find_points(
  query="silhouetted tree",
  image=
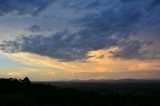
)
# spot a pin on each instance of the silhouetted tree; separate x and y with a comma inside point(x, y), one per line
point(21, 92)
point(26, 80)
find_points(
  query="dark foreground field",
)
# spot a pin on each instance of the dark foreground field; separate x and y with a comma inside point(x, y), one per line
point(15, 92)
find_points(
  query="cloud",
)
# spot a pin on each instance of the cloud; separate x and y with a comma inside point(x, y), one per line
point(17, 74)
point(111, 26)
point(62, 45)
point(21, 7)
point(36, 28)
point(153, 74)
point(81, 5)
point(94, 67)
point(131, 50)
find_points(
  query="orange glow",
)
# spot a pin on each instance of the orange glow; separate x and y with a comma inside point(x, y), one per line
point(100, 61)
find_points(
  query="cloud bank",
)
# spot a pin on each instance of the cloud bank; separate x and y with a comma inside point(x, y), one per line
point(22, 7)
point(110, 26)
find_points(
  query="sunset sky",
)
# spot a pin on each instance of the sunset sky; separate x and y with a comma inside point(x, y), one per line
point(80, 39)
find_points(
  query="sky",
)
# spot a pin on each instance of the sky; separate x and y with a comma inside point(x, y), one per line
point(80, 39)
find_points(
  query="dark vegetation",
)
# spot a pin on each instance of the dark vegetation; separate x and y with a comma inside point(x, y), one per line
point(14, 92)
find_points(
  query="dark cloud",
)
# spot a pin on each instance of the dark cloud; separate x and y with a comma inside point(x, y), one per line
point(109, 27)
point(22, 7)
point(62, 45)
point(81, 5)
point(36, 28)
point(130, 50)
point(134, 49)
point(155, 3)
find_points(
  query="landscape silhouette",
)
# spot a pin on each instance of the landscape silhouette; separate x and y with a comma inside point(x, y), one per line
point(23, 92)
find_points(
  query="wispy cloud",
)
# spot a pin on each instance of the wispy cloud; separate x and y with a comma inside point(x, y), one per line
point(21, 7)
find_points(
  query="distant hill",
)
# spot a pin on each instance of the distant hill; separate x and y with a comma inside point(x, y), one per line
point(23, 92)
point(123, 84)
